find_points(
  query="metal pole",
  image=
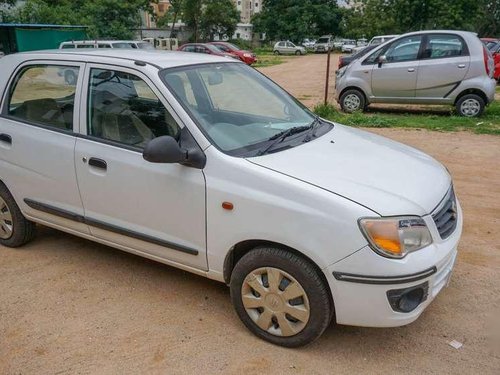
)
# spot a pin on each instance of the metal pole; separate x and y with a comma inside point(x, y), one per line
point(327, 81)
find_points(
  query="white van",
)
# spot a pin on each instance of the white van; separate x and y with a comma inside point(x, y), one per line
point(135, 44)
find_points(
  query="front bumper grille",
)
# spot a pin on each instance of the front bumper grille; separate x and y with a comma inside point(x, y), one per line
point(446, 215)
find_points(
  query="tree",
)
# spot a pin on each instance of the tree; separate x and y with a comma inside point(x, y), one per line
point(219, 17)
point(105, 18)
point(375, 17)
point(174, 11)
point(192, 11)
point(297, 19)
point(114, 18)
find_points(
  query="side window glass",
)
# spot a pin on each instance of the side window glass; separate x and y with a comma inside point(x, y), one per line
point(440, 46)
point(281, 44)
point(124, 109)
point(67, 46)
point(44, 94)
point(405, 49)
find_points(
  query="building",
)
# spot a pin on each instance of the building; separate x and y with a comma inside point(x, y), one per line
point(247, 9)
point(159, 9)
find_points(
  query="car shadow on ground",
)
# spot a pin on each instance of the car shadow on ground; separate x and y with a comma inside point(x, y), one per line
point(444, 111)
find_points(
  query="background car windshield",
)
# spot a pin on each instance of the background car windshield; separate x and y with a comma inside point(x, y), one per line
point(122, 45)
point(323, 40)
point(238, 108)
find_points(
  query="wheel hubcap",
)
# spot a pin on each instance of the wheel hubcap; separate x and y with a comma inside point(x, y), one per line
point(275, 301)
point(470, 107)
point(6, 223)
point(352, 102)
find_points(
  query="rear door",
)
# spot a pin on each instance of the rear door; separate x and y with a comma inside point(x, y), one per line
point(38, 129)
point(444, 64)
point(397, 77)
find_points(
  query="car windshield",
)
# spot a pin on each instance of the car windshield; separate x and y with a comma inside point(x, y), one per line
point(232, 46)
point(213, 48)
point(323, 40)
point(145, 45)
point(237, 108)
point(122, 45)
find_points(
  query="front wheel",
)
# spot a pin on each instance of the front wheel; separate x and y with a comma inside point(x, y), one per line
point(470, 105)
point(298, 53)
point(276, 52)
point(280, 297)
point(352, 101)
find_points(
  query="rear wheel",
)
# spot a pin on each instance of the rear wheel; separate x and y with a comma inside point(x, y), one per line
point(470, 105)
point(280, 297)
point(352, 101)
point(15, 229)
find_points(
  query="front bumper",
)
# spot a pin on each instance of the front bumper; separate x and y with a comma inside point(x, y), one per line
point(362, 283)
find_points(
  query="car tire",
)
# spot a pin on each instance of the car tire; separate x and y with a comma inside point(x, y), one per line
point(470, 105)
point(277, 52)
point(70, 77)
point(352, 100)
point(15, 229)
point(263, 305)
point(298, 53)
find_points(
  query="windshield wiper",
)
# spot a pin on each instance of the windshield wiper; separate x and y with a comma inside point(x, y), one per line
point(281, 136)
point(314, 125)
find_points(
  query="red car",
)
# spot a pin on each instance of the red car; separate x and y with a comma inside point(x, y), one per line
point(247, 57)
point(495, 51)
point(204, 48)
point(489, 42)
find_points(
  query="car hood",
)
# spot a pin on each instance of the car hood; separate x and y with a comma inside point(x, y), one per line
point(385, 176)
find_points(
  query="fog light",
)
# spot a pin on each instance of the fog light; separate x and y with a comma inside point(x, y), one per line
point(407, 299)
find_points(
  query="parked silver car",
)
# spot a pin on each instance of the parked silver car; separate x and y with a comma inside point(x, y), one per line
point(288, 48)
point(425, 67)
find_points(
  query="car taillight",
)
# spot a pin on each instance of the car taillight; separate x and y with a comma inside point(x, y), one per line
point(486, 57)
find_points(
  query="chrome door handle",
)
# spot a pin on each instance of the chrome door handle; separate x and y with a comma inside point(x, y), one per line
point(411, 70)
point(6, 138)
point(461, 66)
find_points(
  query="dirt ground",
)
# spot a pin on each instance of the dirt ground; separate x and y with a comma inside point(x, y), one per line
point(71, 306)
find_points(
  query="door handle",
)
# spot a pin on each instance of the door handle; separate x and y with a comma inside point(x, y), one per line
point(461, 66)
point(411, 70)
point(6, 138)
point(98, 163)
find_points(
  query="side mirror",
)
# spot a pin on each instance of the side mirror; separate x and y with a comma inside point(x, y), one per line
point(215, 79)
point(164, 149)
point(382, 60)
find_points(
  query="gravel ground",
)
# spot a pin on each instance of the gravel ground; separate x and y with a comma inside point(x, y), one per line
point(71, 306)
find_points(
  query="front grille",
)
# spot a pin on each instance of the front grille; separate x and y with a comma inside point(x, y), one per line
point(446, 216)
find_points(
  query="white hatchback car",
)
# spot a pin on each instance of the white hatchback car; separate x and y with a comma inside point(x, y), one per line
point(205, 164)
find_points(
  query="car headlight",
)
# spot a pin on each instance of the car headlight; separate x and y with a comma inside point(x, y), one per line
point(395, 237)
point(247, 55)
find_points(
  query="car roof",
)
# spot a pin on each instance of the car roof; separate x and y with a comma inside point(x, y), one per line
point(101, 41)
point(160, 59)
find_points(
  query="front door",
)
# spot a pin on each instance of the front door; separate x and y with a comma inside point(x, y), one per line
point(444, 64)
point(157, 210)
point(396, 77)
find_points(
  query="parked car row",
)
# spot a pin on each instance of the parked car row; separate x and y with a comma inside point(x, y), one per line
point(494, 47)
point(427, 67)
